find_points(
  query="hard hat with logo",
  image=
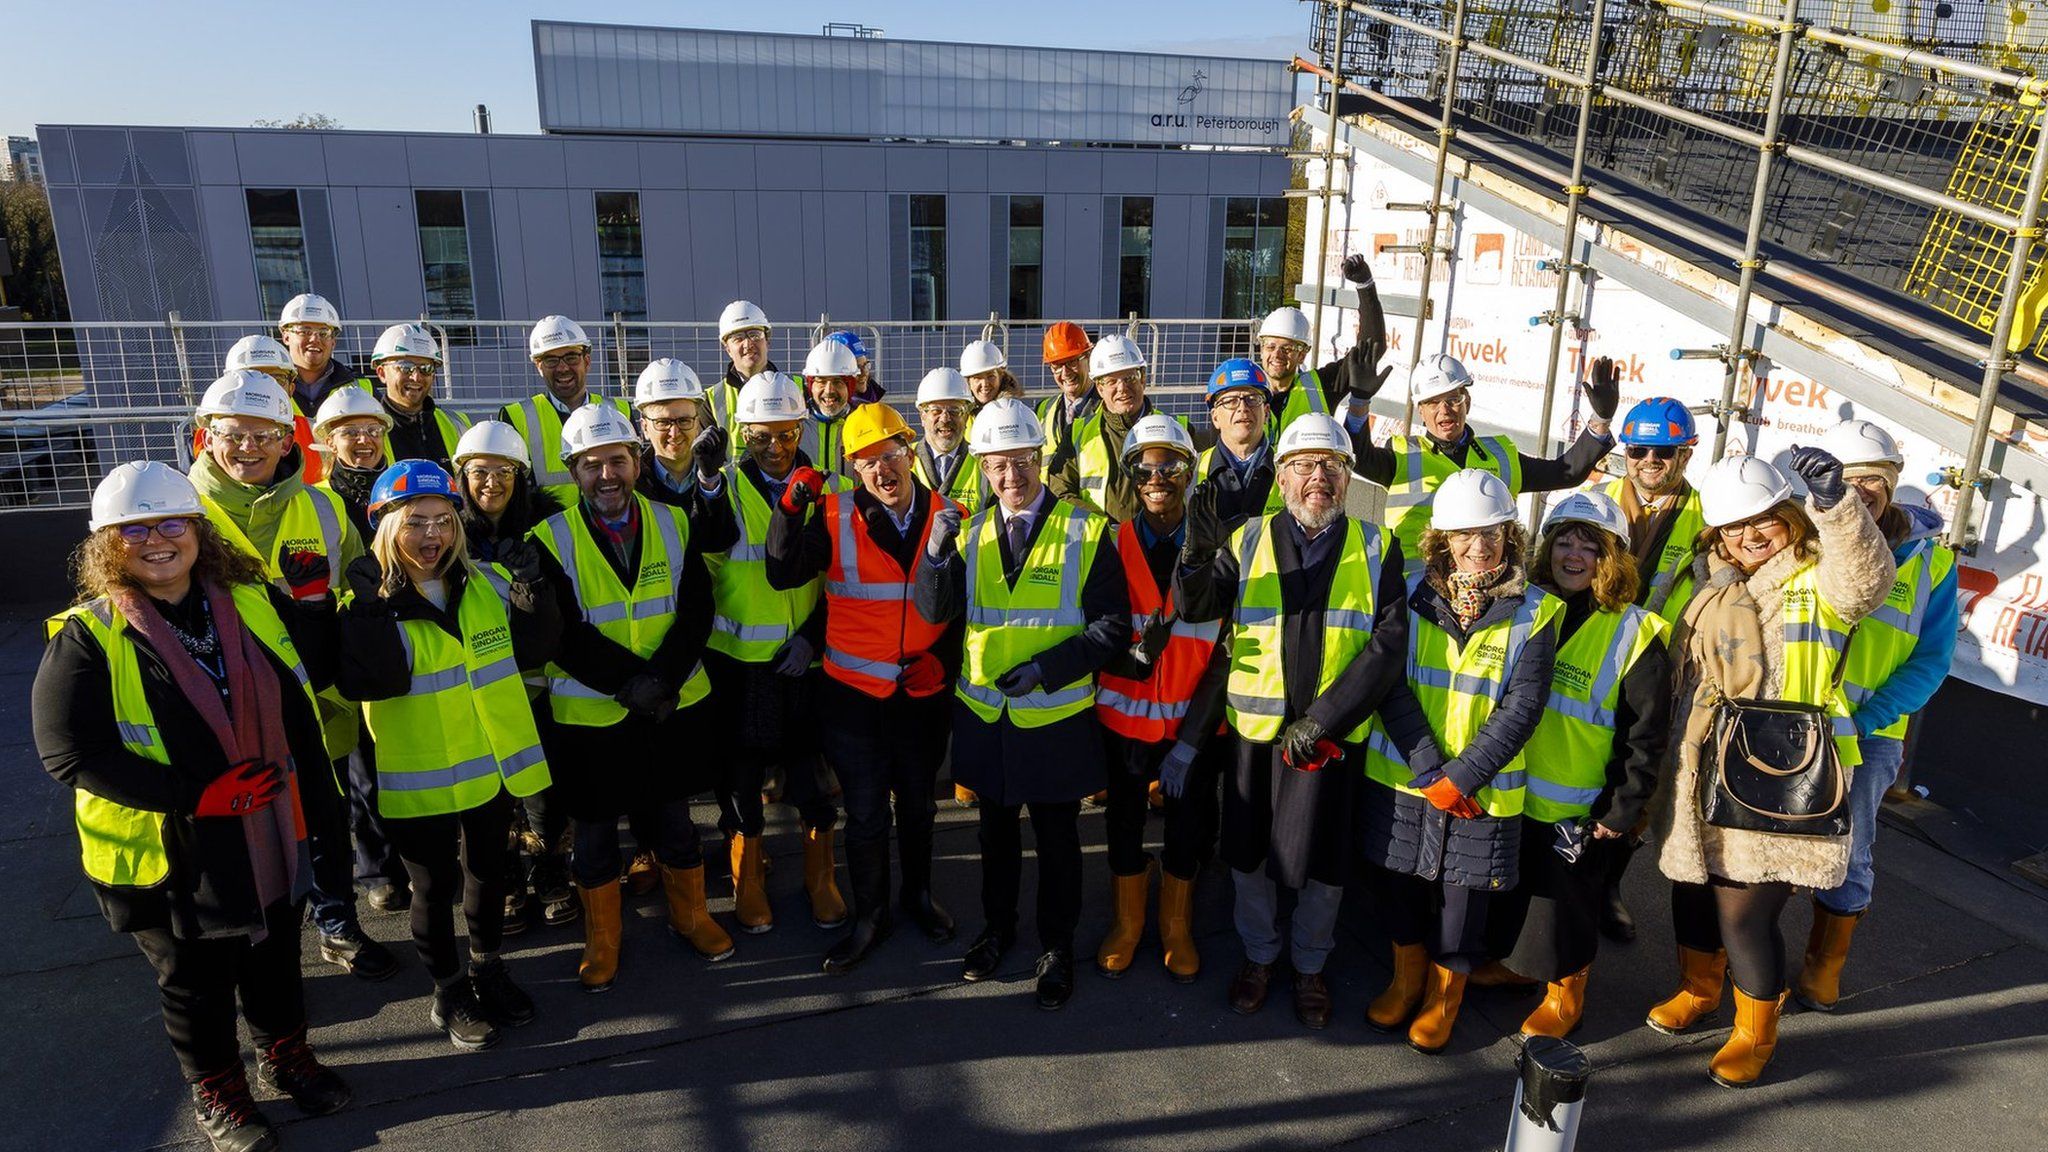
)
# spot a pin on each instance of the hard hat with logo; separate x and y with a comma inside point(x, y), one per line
point(306, 308)
point(1157, 430)
point(1288, 323)
point(1240, 373)
point(409, 480)
point(492, 438)
point(667, 379)
point(143, 490)
point(260, 353)
point(870, 424)
point(406, 340)
point(770, 397)
point(1314, 432)
point(1470, 498)
point(831, 358)
point(1436, 376)
point(982, 356)
point(553, 334)
point(595, 426)
point(1861, 442)
point(245, 392)
point(346, 403)
point(1740, 487)
point(1064, 341)
point(852, 340)
point(741, 315)
point(1115, 352)
point(1004, 425)
point(1590, 507)
point(1658, 422)
point(943, 384)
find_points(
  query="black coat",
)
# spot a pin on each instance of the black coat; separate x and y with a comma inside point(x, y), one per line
point(528, 507)
point(1239, 498)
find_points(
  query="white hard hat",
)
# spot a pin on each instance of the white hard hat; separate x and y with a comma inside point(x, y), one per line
point(143, 490)
point(739, 316)
point(1470, 498)
point(491, 438)
point(982, 356)
point(769, 397)
point(260, 353)
point(347, 403)
point(1158, 431)
point(553, 334)
point(831, 358)
point(1005, 424)
point(406, 340)
point(245, 392)
point(1861, 442)
point(1590, 507)
point(306, 308)
point(1288, 323)
point(1437, 376)
point(943, 384)
point(1114, 353)
point(594, 426)
point(1314, 432)
point(667, 379)
point(1740, 487)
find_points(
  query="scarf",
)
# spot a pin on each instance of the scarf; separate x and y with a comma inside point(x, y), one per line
point(1719, 643)
point(1471, 592)
point(251, 727)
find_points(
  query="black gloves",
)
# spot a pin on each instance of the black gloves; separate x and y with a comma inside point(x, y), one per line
point(306, 574)
point(709, 449)
point(1206, 534)
point(1603, 388)
point(648, 695)
point(1152, 638)
point(521, 559)
point(366, 581)
point(945, 531)
point(1357, 268)
point(1823, 476)
point(1299, 741)
point(1372, 331)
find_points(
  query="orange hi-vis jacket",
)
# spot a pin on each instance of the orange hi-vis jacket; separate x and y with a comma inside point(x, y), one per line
point(1152, 709)
point(871, 626)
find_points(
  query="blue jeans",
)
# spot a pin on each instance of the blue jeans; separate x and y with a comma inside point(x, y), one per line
point(1257, 914)
point(1867, 784)
point(332, 902)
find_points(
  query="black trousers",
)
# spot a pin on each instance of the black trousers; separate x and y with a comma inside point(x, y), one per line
point(673, 839)
point(1448, 920)
point(740, 807)
point(198, 981)
point(1133, 765)
point(333, 902)
point(376, 859)
point(1548, 926)
point(882, 749)
point(1055, 828)
point(461, 854)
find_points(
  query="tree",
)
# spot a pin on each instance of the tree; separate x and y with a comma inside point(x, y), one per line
point(37, 285)
point(304, 121)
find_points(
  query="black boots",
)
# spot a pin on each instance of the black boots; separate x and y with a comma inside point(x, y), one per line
point(288, 1066)
point(914, 848)
point(868, 863)
point(460, 1014)
point(224, 1110)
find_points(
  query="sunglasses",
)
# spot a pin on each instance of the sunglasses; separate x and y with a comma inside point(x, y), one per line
point(169, 529)
point(1762, 525)
point(1149, 472)
point(1651, 452)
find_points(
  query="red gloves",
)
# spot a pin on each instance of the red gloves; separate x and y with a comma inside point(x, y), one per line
point(305, 573)
point(805, 486)
point(241, 790)
point(1447, 798)
point(1327, 751)
point(923, 676)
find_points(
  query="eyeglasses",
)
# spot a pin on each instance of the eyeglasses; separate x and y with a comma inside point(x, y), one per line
point(885, 456)
point(1239, 402)
point(481, 476)
point(421, 371)
point(663, 425)
point(1763, 525)
point(358, 432)
point(169, 529)
point(1456, 400)
point(784, 438)
point(311, 333)
point(1650, 451)
point(1310, 466)
point(1070, 367)
point(1009, 466)
point(749, 336)
point(268, 439)
point(1145, 473)
point(564, 359)
point(438, 524)
point(1282, 349)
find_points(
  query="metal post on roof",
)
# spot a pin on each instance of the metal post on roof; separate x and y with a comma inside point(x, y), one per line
point(175, 323)
point(619, 354)
point(1453, 52)
point(1331, 92)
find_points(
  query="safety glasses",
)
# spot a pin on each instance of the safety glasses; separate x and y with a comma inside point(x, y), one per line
point(1147, 473)
point(1651, 451)
point(169, 529)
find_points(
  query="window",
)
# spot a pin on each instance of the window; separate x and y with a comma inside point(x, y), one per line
point(927, 257)
point(279, 241)
point(1254, 247)
point(1027, 256)
point(621, 261)
point(1134, 257)
point(444, 256)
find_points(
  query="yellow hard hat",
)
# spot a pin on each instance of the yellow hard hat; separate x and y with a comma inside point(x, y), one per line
point(870, 424)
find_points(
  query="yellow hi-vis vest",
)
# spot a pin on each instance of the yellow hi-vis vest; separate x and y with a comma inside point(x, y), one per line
point(1096, 457)
point(1670, 589)
point(636, 618)
point(1275, 499)
point(1568, 755)
point(539, 423)
point(751, 620)
point(1458, 689)
point(966, 487)
point(1303, 396)
point(1884, 640)
point(1256, 696)
point(1815, 639)
point(463, 729)
point(1420, 468)
point(123, 847)
point(1007, 627)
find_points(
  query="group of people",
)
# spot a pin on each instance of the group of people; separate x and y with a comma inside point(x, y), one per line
point(366, 649)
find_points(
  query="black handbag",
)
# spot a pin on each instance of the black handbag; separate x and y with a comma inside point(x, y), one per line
point(1771, 766)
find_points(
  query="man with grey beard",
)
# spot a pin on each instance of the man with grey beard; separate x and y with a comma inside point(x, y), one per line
point(1319, 632)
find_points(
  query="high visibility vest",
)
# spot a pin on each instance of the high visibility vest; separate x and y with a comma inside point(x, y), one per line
point(1305, 395)
point(1152, 709)
point(871, 625)
point(1815, 639)
point(1206, 461)
point(1052, 416)
point(1419, 469)
point(751, 620)
point(1257, 691)
point(1885, 639)
point(1007, 627)
point(824, 441)
point(637, 619)
point(1670, 589)
point(966, 488)
point(539, 423)
point(463, 729)
point(123, 847)
point(1458, 689)
point(1097, 458)
point(1574, 741)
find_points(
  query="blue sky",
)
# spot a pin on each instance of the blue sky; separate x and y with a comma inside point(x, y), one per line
point(422, 65)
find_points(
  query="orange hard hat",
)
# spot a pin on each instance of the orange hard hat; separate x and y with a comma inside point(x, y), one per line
point(1064, 341)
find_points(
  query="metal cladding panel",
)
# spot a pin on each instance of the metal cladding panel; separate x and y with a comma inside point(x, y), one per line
point(56, 145)
point(228, 251)
point(213, 155)
point(282, 159)
point(599, 78)
point(364, 158)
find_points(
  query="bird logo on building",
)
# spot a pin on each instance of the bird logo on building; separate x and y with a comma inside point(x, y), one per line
point(1194, 88)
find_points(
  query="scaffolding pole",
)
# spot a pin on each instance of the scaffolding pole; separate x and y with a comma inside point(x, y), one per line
point(1335, 86)
point(1455, 43)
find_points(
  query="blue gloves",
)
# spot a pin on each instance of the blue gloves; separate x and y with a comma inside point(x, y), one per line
point(793, 659)
point(1021, 680)
point(1173, 771)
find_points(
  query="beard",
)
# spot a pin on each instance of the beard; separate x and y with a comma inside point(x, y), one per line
point(1315, 521)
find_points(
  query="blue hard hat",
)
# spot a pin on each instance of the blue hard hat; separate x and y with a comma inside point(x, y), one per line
point(408, 480)
point(1238, 373)
point(852, 340)
point(1659, 421)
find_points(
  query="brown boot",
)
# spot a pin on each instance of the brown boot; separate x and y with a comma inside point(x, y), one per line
point(749, 884)
point(828, 909)
point(600, 964)
point(1392, 1008)
point(1127, 923)
point(1494, 974)
point(1741, 1060)
point(1176, 898)
point(1445, 991)
point(1564, 1004)
point(1699, 992)
point(689, 917)
point(964, 797)
point(1827, 946)
point(642, 874)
